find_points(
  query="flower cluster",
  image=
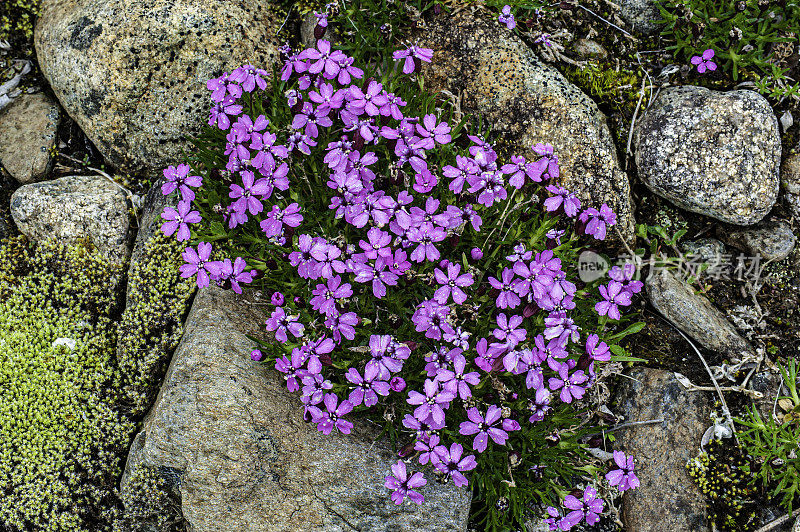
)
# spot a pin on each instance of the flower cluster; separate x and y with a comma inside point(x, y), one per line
point(360, 214)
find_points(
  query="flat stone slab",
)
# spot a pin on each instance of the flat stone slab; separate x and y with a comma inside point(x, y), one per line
point(246, 459)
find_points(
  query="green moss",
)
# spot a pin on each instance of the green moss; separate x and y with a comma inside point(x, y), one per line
point(17, 19)
point(61, 435)
point(151, 503)
point(721, 474)
point(151, 324)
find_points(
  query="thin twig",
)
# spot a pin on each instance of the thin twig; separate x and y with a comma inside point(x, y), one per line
point(607, 22)
point(633, 122)
point(101, 173)
point(725, 410)
point(502, 217)
point(625, 426)
point(779, 521)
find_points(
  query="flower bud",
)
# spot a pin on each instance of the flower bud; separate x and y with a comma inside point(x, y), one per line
point(476, 253)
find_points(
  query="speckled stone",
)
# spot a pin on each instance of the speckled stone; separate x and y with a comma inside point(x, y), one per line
point(705, 250)
point(526, 102)
point(243, 455)
point(640, 15)
point(695, 315)
point(28, 130)
point(790, 181)
point(75, 208)
point(132, 73)
point(772, 239)
point(713, 153)
point(667, 500)
point(588, 48)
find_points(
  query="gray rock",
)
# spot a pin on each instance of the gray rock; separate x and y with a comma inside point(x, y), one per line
point(640, 15)
point(246, 459)
point(526, 102)
point(76, 208)
point(589, 48)
point(713, 153)
point(790, 180)
point(695, 315)
point(133, 73)
point(28, 130)
point(667, 500)
point(772, 239)
point(706, 250)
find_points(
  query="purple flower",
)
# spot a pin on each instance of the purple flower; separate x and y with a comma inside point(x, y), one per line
point(570, 385)
point(613, 296)
point(562, 198)
point(323, 59)
point(326, 421)
point(540, 405)
point(325, 296)
point(507, 297)
point(429, 131)
point(484, 427)
point(452, 284)
point(465, 168)
point(486, 355)
point(397, 384)
point(476, 253)
point(546, 167)
point(277, 299)
point(343, 326)
point(277, 218)
point(430, 404)
point(281, 324)
point(368, 102)
point(508, 332)
point(367, 387)
point(596, 349)
point(179, 178)
point(327, 98)
point(456, 380)
point(589, 507)
point(233, 273)
point(382, 360)
point(314, 388)
point(452, 463)
point(222, 111)
point(623, 478)
point(377, 245)
point(178, 220)
point(249, 76)
point(431, 318)
point(291, 368)
point(255, 355)
point(392, 106)
point(347, 70)
point(197, 263)
point(508, 19)
point(704, 62)
point(402, 484)
point(412, 55)
point(544, 38)
point(311, 117)
point(596, 221)
point(245, 195)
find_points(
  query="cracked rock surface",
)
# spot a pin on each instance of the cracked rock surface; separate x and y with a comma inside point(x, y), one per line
point(244, 458)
